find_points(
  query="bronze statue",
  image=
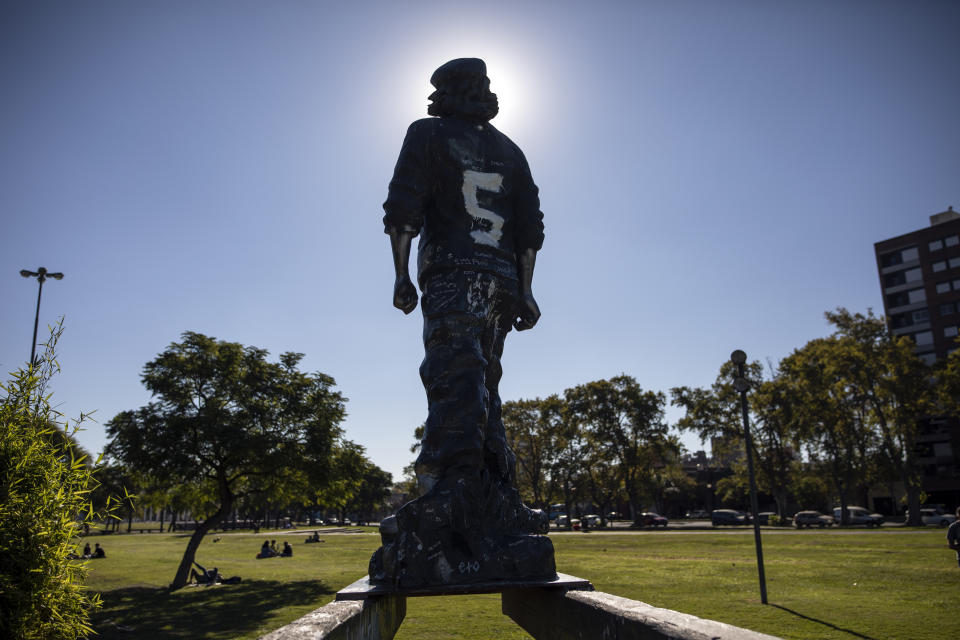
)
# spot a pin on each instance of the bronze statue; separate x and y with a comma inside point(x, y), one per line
point(466, 189)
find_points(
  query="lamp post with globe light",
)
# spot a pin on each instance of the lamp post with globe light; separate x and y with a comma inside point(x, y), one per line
point(742, 385)
point(41, 274)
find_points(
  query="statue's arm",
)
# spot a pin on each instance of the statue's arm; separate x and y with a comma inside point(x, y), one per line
point(404, 293)
point(528, 313)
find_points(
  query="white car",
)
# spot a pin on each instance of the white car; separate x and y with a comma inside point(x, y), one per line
point(859, 515)
point(934, 516)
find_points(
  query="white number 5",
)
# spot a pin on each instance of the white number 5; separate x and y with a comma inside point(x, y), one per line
point(473, 181)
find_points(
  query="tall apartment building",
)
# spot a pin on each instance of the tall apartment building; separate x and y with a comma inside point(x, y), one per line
point(920, 279)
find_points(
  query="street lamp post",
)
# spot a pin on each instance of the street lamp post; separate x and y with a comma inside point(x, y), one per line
point(741, 384)
point(41, 275)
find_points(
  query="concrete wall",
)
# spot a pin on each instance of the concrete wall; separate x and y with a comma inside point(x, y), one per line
point(371, 619)
point(546, 614)
point(582, 615)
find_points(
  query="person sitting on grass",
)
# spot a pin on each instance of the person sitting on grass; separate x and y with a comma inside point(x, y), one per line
point(314, 538)
point(265, 551)
point(98, 551)
point(86, 550)
point(287, 550)
point(273, 548)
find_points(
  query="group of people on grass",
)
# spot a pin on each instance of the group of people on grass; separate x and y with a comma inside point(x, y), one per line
point(269, 550)
point(314, 538)
point(97, 553)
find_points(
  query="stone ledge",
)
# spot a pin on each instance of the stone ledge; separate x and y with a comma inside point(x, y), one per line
point(581, 615)
point(371, 619)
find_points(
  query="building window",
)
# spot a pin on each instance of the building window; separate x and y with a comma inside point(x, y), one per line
point(901, 320)
point(921, 315)
point(936, 245)
point(956, 285)
point(943, 287)
point(914, 275)
point(954, 262)
point(923, 338)
point(947, 308)
point(928, 358)
point(897, 300)
point(895, 279)
point(949, 332)
point(908, 255)
point(917, 295)
point(951, 241)
point(890, 259)
point(939, 266)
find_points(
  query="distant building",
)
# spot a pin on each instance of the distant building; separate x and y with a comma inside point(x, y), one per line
point(920, 280)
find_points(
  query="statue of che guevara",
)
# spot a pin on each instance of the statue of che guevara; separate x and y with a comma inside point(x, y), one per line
point(466, 189)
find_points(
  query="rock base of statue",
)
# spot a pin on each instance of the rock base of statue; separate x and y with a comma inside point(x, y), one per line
point(463, 533)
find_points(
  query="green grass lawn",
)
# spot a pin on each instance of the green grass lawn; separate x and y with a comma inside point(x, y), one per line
point(902, 584)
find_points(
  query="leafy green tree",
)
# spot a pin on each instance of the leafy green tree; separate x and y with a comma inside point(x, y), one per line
point(568, 467)
point(882, 372)
point(224, 417)
point(535, 432)
point(831, 418)
point(716, 413)
point(348, 469)
point(628, 424)
point(372, 492)
point(45, 485)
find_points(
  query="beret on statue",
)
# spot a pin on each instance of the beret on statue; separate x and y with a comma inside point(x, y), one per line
point(458, 67)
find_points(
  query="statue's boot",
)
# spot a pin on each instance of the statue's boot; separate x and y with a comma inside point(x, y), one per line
point(460, 534)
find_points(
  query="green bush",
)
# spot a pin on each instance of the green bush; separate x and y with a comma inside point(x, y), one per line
point(45, 482)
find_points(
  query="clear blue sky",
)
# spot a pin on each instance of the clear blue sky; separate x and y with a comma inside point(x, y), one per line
point(713, 176)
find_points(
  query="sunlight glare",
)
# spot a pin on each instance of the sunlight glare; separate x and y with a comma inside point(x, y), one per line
point(512, 77)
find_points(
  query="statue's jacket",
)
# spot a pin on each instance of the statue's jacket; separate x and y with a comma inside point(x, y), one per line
point(466, 189)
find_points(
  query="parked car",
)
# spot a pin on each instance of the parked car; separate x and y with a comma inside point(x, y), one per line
point(728, 516)
point(613, 515)
point(592, 520)
point(803, 519)
point(562, 520)
point(859, 515)
point(698, 514)
point(934, 516)
point(651, 519)
point(764, 517)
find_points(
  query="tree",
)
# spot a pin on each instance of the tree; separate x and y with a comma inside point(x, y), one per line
point(534, 430)
point(45, 485)
point(883, 373)
point(830, 416)
point(716, 413)
point(225, 417)
point(372, 493)
point(628, 424)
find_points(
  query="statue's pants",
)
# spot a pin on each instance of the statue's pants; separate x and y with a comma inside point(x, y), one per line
point(467, 315)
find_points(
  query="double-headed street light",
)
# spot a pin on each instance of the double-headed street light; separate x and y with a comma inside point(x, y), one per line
point(41, 275)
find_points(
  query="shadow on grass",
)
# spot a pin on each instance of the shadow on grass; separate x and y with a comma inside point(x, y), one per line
point(224, 611)
point(826, 624)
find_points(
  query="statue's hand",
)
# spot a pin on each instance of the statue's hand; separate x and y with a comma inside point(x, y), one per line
point(404, 294)
point(528, 313)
